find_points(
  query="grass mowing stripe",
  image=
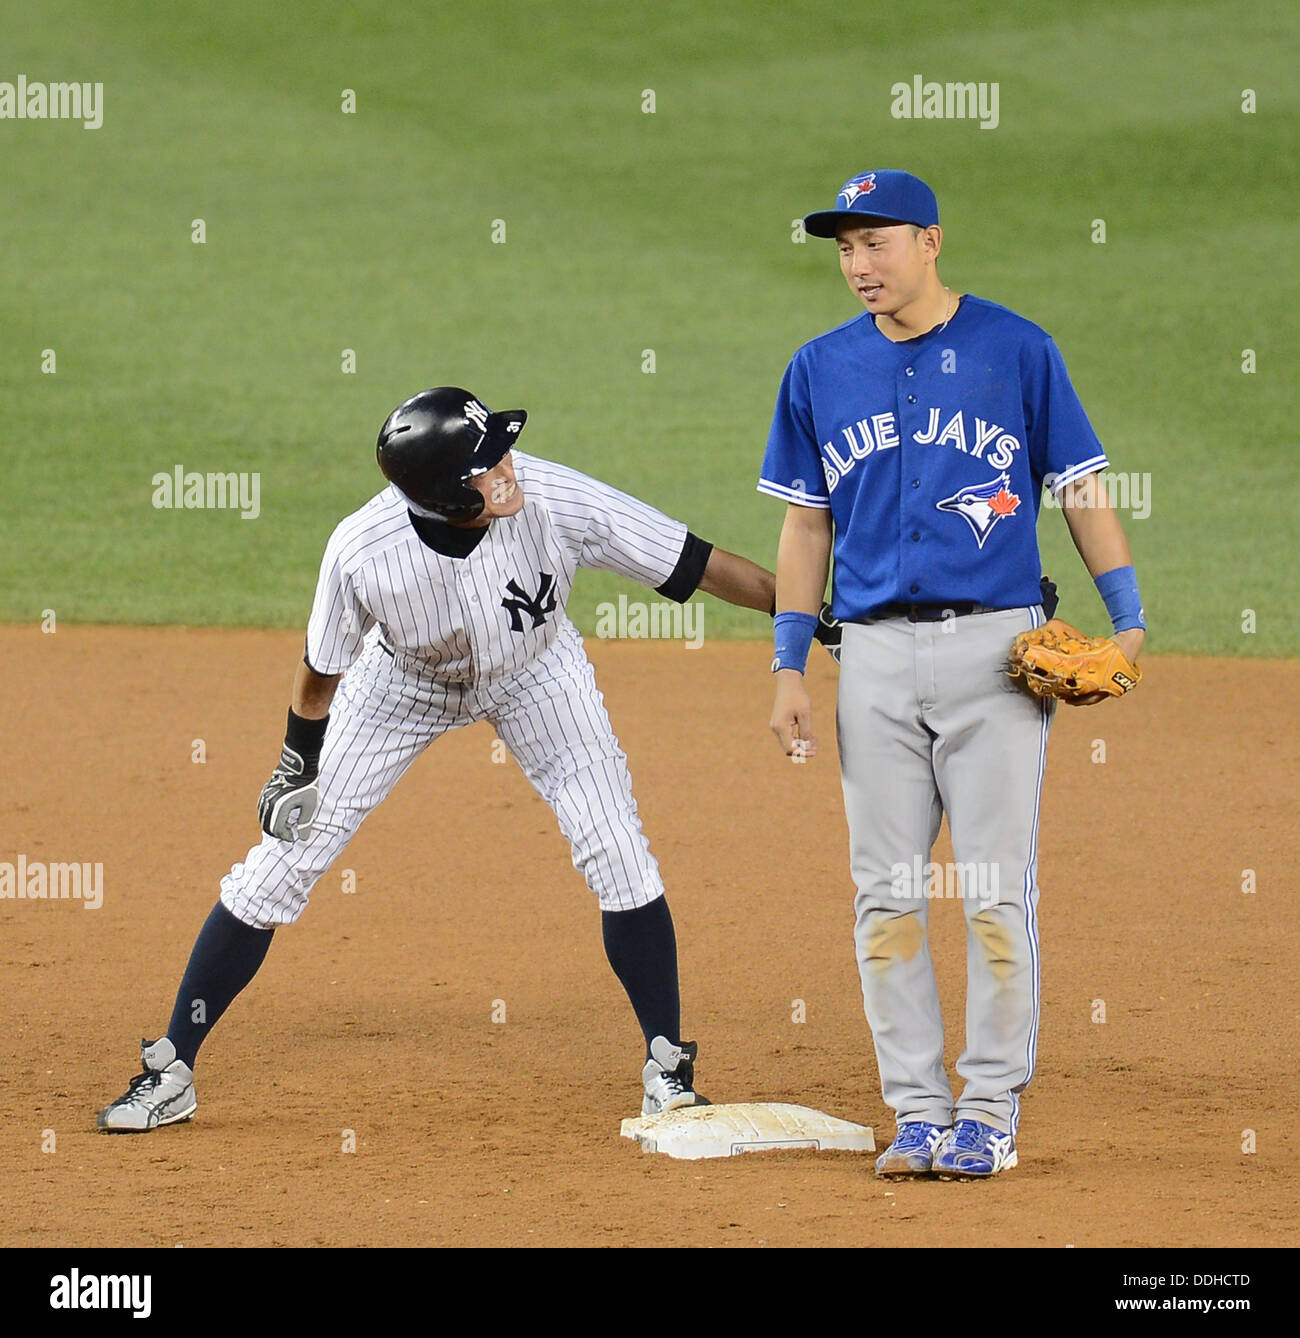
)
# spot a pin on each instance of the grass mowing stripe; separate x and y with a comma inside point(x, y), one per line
point(626, 232)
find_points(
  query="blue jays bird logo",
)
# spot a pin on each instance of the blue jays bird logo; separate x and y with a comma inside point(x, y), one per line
point(862, 185)
point(983, 505)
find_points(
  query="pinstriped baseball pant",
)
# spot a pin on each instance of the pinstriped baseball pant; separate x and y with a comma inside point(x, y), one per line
point(551, 717)
point(928, 724)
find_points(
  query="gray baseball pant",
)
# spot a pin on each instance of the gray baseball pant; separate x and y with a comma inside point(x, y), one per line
point(929, 724)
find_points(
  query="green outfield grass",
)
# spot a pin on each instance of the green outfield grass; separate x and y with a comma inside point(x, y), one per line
point(624, 232)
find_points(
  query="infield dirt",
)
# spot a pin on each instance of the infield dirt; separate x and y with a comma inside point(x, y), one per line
point(374, 1014)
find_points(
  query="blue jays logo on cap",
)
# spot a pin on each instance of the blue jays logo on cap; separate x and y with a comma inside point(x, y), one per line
point(983, 505)
point(859, 185)
point(896, 197)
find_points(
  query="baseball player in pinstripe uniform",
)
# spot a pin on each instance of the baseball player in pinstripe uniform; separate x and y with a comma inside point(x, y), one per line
point(913, 442)
point(443, 601)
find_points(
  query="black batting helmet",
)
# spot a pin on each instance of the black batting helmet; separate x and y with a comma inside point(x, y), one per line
point(431, 445)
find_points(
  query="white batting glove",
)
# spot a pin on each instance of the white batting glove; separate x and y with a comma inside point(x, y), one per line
point(289, 800)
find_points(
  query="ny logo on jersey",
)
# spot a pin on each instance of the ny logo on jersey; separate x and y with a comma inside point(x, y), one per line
point(538, 605)
point(983, 506)
point(862, 185)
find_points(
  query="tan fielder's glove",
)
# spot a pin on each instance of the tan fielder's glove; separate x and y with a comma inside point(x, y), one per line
point(1057, 660)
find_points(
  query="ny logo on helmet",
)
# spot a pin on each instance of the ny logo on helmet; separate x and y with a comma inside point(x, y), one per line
point(476, 414)
point(538, 605)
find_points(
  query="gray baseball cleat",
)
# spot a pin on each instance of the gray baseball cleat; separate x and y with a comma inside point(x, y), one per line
point(668, 1077)
point(162, 1094)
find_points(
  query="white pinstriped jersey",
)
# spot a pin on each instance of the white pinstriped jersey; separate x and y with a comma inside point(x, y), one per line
point(488, 614)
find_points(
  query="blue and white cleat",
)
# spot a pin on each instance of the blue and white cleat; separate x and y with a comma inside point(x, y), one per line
point(912, 1151)
point(975, 1151)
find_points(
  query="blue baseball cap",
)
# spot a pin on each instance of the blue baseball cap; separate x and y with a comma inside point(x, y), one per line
point(898, 197)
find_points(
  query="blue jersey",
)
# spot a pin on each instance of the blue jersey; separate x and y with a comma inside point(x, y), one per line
point(931, 455)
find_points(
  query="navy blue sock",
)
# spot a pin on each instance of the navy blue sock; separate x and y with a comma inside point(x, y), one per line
point(226, 956)
point(642, 949)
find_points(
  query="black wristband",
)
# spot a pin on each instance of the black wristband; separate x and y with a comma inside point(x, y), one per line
point(305, 737)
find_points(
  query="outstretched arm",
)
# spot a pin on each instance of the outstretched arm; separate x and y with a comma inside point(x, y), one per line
point(739, 581)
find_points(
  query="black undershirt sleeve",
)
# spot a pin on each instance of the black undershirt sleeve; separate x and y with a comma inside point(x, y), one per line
point(689, 571)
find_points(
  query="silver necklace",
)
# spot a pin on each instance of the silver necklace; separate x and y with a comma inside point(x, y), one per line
point(952, 306)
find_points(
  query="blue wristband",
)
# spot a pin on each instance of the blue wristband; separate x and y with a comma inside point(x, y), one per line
point(794, 637)
point(1119, 592)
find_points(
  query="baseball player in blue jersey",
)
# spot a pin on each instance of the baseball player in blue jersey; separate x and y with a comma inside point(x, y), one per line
point(913, 443)
point(443, 600)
